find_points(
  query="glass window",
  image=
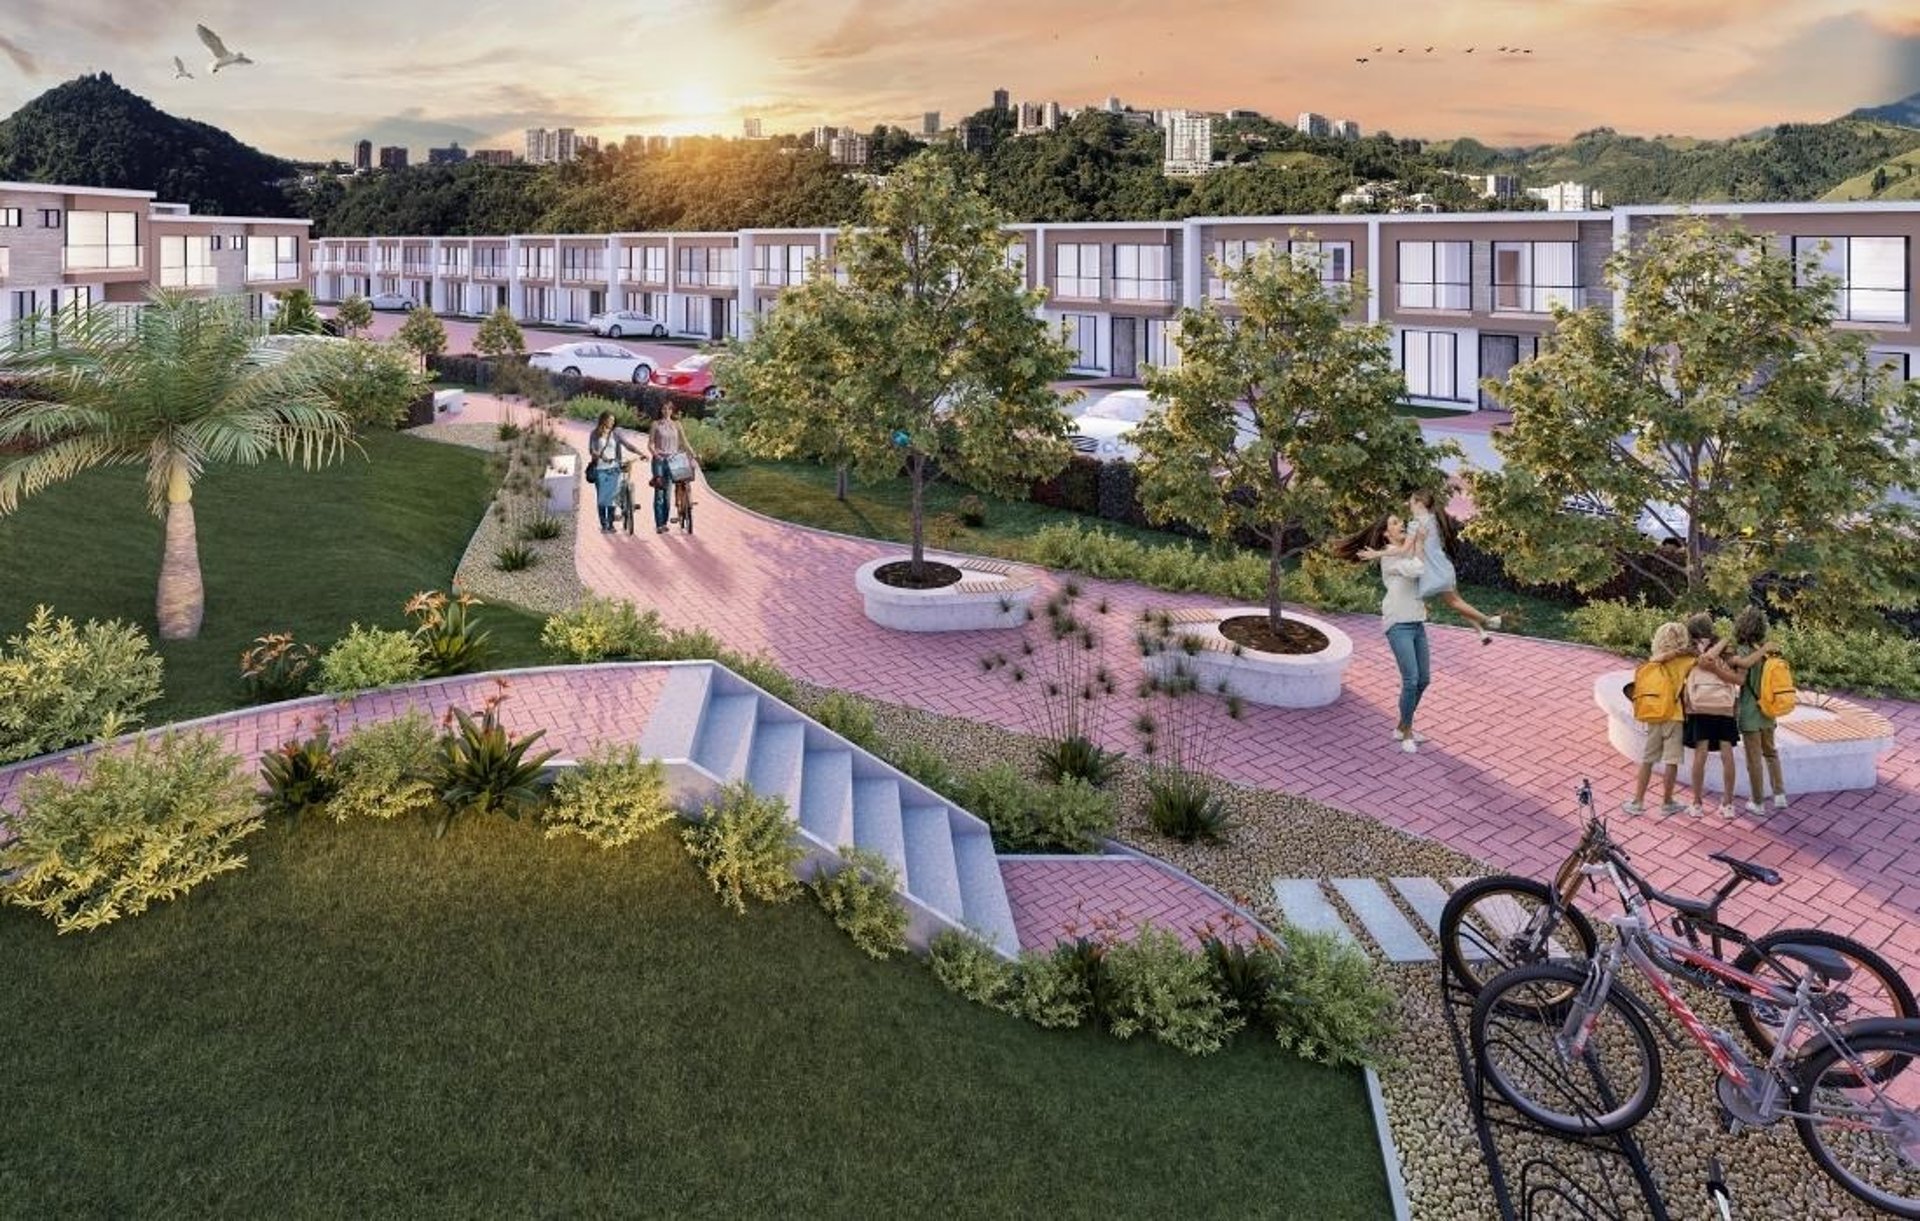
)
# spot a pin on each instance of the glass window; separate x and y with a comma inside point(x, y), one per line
point(1230, 255)
point(1335, 259)
point(1163, 348)
point(797, 259)
point(9, 218)
point(1535, 277)
point(1077, 271)
point(1081, 332)
point(1430, 361)
point(1142, 273)
point(102, 240)
point(1872, 272)
point(186, 261)
point(1435, 275)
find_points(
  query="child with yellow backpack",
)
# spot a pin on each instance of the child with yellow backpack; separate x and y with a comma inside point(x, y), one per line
point(1657, 705)
point(1766, 694)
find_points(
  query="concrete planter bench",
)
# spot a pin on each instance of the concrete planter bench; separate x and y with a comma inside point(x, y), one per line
point(561, 482)
point(989, 595)
point(1826, 744)
point(1279, 680)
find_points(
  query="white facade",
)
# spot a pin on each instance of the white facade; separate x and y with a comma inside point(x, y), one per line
point(1189, 142)
point(1311, 124)
point(1568, 197)
point(548, 146)
point(1347, 129)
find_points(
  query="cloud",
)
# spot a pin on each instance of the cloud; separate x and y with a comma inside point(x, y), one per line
point(1827, 69)
point(22, 58)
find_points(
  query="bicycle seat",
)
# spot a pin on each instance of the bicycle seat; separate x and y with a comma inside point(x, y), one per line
point(1828, 966)
point(1746, 871)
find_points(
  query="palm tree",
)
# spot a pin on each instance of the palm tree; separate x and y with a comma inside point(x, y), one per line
point(177, 387)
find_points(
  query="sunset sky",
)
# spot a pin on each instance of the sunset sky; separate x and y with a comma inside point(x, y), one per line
point(421, 72)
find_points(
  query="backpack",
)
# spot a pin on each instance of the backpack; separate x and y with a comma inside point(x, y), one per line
point(1655, 698)
point(1776, 695)
point(1707, 694)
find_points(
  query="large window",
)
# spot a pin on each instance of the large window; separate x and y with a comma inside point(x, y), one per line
point(1534, 277)
point(536, 262)
point(1163, 349)
point(1076, 271)
point(453, 260)
point(98, 241)
point(275, 257)
point(1017, 258)
point(1435, 275)
point(1142, 273)
point(1081, 333)
point(696, 265)
point(1431, 362)
point(781, 265)
point(186, 262)
point(582, 263)
point(1230, 256)
point(643, 264)
point(1334, 259)
point(1872, 272)
point(490, 261)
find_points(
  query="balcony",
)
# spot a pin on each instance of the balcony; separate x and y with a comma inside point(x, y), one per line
point(588, 274)
point(453, 271)
point(536, 271)
point(1076, 288)
point(1414, 296)
point(416, 268)
point(102, 258)
point(643, 275)
point(1536, 298)
point(202, 276)
point(490, 271)
point(358, 266)
point(277, 272)
point(1142, 290)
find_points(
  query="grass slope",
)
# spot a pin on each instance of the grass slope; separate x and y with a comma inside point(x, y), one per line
point(1903, 181)
point(365, 1022)
point(280, 549)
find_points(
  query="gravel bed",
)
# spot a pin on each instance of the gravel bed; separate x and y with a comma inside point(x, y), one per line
point(472, 436)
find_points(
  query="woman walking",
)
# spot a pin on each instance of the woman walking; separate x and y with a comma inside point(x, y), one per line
point(1403, 615)
point(666, 439)
point(606, 450)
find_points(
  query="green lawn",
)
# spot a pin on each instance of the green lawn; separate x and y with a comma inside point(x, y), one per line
point(803, 493)
point(280, 549)
point(366, 1022)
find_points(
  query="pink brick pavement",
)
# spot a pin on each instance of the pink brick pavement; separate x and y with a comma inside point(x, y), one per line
point(1513, 725)
point(1056, 899)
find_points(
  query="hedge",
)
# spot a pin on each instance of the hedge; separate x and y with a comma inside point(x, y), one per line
point(648, 401)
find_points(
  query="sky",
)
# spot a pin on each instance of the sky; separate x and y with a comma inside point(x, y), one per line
point(426, 72)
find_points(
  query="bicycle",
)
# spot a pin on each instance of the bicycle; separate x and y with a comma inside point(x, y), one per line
point(623, 501)
point(1574, 1051)
point(1493, 924)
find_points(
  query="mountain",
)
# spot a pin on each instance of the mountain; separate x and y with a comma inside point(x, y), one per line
point(92, 132)
point(1905, 112)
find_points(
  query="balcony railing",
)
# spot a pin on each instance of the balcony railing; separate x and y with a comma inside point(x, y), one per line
point(490, 271)
point(643, 275)
point(455, 270)
point(1077, 288)
point(1142, 290)
point(188, 277)
point(1535, 298)
point(1434, 296)
point(536, 271)
point(273, 273)
point(418, 267)
point(102, 258)
point(588, 274)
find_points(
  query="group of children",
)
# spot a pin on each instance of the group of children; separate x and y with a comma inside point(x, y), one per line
point(1695, 693)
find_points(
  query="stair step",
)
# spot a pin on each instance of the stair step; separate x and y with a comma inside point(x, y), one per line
point(726, 735)
point(773, 761)
point(1427, 898)
point(983, 895)
point(877, 824)
point(1381, 917)
point(677, 714)
point(932, 875)
point(1303, 903)
point(826, 795)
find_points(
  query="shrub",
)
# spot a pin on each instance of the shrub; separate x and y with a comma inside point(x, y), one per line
point(1621, 626)
point(612, 797)
point(134, 827)
point(1075, 758)
point(386, 769)
point(1051, 990)
point(277, 667)
point(370, 657)
point(514, 557)
point(483, 769)
point(1156, 986)
point(862, 898)
point(1244, 972)
point(1175, 566)
point(1325, 1005)
point(849, 716)
point(714, 447)
point(1185, 806)
point(449, 635)
point(1026, 816)
point(966, 965)
point(507, 430)
point(543, 527)
point(927, 766)
point(590, 407)
point(745, 847)
point(602, 628)
point(301, 774)
point(972, 512)
point(61, 684)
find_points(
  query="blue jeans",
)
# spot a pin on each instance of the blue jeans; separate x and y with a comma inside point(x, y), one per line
point(661, 493)
point(1409, 644)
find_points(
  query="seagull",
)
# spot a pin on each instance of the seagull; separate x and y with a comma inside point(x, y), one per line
point(222, 58)
point(180, 72)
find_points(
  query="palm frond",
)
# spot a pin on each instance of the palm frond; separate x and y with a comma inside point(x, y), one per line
point(55, 463)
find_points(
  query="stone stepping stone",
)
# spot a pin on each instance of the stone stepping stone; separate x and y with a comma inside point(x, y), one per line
point(1303, 903)
point(1396, 936)
point(1425, 896)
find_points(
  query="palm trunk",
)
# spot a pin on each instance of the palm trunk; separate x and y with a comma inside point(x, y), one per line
point(1273, 576)
point(915, 473)
point(182, 601)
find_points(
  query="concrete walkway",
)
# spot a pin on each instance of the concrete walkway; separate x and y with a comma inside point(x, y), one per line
point(1513, 724)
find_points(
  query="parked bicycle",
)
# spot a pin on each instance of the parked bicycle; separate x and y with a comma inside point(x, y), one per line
point(1493, 924)
point(1574, 1051)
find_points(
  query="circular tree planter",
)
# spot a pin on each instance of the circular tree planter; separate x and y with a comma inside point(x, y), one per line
point(1279, 680)
point(977, 595)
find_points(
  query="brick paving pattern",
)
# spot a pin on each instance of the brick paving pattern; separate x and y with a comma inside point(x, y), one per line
point(1057, 899)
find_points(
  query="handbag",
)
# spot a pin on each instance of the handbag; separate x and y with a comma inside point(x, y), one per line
point(680, 467)
point(657, 482)
point(1710, 695)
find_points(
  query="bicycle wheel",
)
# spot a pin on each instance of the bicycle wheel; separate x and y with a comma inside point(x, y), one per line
point(1517, 1042)
point(1494, 924)
point(1866, 1138)
point(1874, 990)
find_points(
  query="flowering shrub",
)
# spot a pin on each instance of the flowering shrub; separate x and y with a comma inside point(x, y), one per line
point(612, 797)
point(277, 667)
point(447, 633)
point(300, 775)
point(386, 770)
point(61, 684)
point(483, 769)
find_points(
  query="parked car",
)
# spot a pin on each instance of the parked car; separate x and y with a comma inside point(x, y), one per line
point(609, 361)
point(616, 323)
point(692, 376)
point(390, 301)
point(1104, 430)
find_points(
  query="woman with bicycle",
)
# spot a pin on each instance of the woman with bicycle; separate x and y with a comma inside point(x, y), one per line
point(606, 450)
point(671, 459)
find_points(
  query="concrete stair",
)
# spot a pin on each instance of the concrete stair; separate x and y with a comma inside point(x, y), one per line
point(711, 727)
point(1307, 902)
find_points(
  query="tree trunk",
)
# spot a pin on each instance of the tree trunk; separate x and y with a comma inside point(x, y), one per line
point(1274, 546)
point(916, 474)
point(182, 600)
point(840, 482)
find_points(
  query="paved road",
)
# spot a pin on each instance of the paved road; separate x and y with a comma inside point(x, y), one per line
point(460, 332)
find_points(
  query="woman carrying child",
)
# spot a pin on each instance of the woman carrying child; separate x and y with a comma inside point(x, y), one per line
point(1431, 540)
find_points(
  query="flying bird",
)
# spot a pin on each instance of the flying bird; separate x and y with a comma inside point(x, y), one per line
point(222, 58)
point(180, 72)
point(1377, 50)
point(1468, 51)
point(1429, 50)
point(1359, 59)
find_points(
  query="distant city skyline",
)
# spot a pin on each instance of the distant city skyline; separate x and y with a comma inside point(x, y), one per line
point(435, 72)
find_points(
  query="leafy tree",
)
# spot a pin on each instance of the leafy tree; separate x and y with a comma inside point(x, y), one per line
point(177, 389)
point(1727, 412)
point(373, 384)
point(354, 315)
point(499, 335)
point(929, 353)
point(296, 315)
point(424, 333)
point(1281, 423)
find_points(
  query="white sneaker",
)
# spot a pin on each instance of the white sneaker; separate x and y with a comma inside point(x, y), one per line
point(1494, 623)
point(1409, 745)
point(1416, 735)
point(1633, 809)
point(1696, 810)
point(1779, 801)
point(1757, 809)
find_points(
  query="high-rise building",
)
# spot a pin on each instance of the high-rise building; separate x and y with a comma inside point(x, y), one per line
point(393, 157)
point(1113, 105)
point(1568, 197)
point(1500, 186)
point(1052, 116)
point(587, 144)
point(750, 128)
point(848, 147)
point(1189, 148)
point(1311, 124)
point(1347, 129)
point(363, 156)
point(1241, 113)
point(1002, 100)
point(930, 123)
point(546, 146)
point(453, 154)
point(823, 136)
point(492, 156)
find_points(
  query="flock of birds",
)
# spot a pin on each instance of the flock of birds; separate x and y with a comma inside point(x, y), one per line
point(1362, 59)
point(222, 58)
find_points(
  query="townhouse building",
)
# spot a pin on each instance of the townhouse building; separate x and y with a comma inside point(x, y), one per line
point(1466, 296)
point(67, 248)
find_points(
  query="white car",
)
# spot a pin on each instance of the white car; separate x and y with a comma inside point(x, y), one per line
point(608, 361)
point(390, 301)
point(616, 323)
point(1104, 431)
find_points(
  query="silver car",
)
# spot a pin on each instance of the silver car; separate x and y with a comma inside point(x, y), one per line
point(616, 323)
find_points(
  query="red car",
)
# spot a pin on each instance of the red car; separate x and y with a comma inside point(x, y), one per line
point(692, 376)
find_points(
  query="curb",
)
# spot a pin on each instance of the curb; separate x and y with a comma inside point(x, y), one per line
point(1389, 1153)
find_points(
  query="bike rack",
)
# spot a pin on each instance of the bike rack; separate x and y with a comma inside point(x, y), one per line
point(1596, 1178)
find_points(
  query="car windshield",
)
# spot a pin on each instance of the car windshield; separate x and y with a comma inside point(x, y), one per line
point(1127, 408)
